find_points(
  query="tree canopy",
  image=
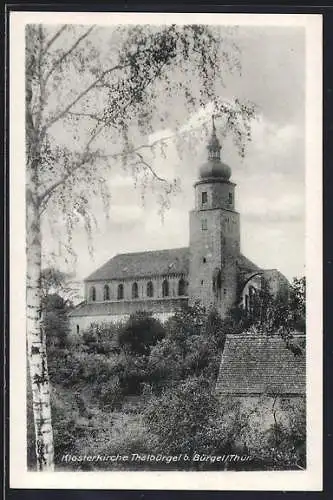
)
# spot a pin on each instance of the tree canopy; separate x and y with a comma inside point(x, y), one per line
point(94, 96)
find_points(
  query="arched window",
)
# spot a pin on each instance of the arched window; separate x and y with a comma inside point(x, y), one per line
point(93, 293)
point(150, 289)
point(106, 292)
point(135, 291)
point(77, 329)
point(120, 294)
point(165, 288)
point(181, 287)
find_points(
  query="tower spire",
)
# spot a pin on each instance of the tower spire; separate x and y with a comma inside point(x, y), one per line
point(214, 146)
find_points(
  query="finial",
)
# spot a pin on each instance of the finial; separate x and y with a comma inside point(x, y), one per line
point(214, 146)
point(213, 122)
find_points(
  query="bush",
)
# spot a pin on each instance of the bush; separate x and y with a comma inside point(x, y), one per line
point(140, 333)
point(55, 321)
point(185, 420)
point(102, 338)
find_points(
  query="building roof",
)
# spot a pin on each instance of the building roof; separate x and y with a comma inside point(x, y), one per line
point(120, 307)
point(260, 364)
point(246, 266)
point(144, 264)
point(154, 263)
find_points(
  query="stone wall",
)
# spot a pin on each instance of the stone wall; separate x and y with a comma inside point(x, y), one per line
point(216, 247)
point(128, 283)
point(259, 413)
point(115, 312)
point(219, 194)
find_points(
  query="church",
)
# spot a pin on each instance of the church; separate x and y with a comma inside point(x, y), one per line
point(211, 270)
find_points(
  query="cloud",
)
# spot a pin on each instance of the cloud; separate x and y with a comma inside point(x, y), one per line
point(126, 214)
point(172, 231)
point(270, 180)
point(287, 207)
point(271, 136)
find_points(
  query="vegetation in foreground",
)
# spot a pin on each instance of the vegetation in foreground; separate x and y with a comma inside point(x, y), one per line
point(143, 387)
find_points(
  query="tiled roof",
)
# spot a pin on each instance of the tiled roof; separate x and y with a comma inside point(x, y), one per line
point(156, 305)
point(144, 264)
point(246, 265)
point(260, 365)
point(153, 263)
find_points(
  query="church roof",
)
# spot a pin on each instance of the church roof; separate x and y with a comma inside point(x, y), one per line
point(245, 265)
point(154, 263)
point(260, 364)
point(144, 264)
point(123, 307)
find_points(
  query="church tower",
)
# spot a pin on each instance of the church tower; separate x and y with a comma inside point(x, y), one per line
point(214, 234)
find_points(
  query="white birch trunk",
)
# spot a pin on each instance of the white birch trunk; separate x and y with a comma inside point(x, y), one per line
point(36, 343)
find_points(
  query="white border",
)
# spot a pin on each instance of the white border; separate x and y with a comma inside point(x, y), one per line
point(311, 479)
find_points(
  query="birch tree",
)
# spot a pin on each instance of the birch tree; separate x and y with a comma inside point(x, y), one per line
point(93, 97)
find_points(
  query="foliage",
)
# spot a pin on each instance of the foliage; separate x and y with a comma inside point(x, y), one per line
point(176, 409)
point(297, 303)
point(109, 100)
point(140, 333)
point(96, 99)
point(192, 347)
point(185, 419)
point(55, 281)
point(283, 313)
point(55, 320)
point(271, 430)
point(102, 338)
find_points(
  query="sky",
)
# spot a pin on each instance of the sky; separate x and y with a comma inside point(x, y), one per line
point(270, 179)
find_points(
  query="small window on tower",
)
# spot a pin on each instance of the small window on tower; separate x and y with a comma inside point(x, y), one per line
point(230, 198)
point(204, 225)
point(204, 260)
point(204, 198)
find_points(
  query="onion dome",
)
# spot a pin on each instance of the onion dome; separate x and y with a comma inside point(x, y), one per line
point(214, 167)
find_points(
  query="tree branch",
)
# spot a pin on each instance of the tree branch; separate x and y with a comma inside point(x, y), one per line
point(80, 96)
point(86, 115)
point(150, 168)
point(53, 39)
point(43, 198)
point(69, 51)
point(93, 85)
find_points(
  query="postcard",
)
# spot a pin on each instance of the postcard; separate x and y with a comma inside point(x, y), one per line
point(165, 251)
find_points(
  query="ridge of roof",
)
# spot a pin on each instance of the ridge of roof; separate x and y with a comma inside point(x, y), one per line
point(143, 264)
point(247, 264)
point(151, 251)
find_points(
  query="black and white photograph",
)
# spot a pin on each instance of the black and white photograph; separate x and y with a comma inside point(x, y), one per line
point(166, 206)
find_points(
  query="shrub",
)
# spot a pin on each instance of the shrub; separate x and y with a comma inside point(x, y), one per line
point(185, 419)
point(102, 338)
point(140, 333)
